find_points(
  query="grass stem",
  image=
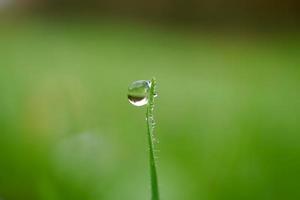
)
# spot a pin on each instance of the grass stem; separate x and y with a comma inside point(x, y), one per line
point(150, 131)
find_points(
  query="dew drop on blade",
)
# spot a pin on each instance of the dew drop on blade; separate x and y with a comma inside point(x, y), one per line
point(138, 92)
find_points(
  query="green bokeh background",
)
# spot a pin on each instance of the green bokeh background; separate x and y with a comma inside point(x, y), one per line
point(227, 113)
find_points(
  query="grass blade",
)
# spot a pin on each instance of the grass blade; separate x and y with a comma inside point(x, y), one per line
point(150, 132)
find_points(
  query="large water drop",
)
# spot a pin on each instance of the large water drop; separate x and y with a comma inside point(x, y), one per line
point(138, 92)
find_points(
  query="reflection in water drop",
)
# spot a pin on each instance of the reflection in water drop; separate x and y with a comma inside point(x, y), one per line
point(138, 92)
point(137, 101)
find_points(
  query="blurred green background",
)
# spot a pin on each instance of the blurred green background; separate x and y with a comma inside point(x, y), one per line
point(227, 111)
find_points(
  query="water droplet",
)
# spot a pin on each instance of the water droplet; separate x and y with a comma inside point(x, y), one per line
point(138, 92)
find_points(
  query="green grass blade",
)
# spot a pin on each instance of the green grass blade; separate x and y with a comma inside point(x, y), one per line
point(150, 131)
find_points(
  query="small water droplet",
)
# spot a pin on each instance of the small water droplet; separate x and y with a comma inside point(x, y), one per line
point(138, 92)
